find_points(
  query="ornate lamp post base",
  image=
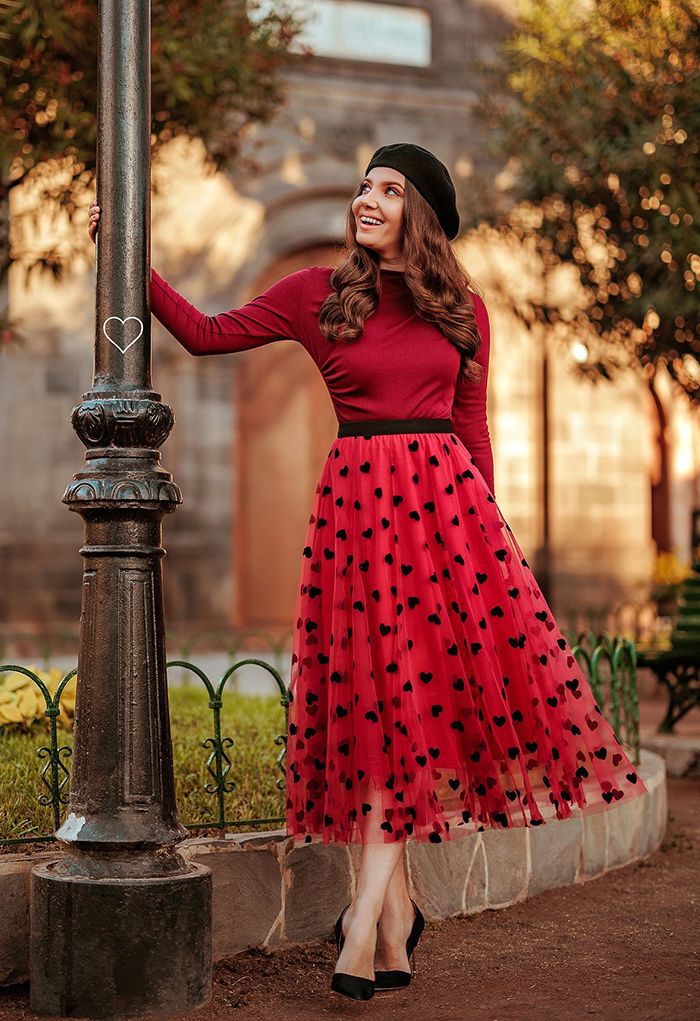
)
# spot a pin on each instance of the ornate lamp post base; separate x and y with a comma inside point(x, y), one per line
point(121, 923)
point(111, 947)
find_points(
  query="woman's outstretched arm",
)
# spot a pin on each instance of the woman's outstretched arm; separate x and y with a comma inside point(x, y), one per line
point(469, 416)
point(272, 315)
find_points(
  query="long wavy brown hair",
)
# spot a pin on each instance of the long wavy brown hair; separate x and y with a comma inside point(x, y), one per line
point(439, 285)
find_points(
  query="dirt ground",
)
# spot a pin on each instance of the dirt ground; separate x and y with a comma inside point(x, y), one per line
point(620, 948)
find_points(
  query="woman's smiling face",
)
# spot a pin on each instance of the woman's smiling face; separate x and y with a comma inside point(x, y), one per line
point(381, 197)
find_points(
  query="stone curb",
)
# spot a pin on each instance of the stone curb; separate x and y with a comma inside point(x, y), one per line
point(266, 891)
point(682, 754)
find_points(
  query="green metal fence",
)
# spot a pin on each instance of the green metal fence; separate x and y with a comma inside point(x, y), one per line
point(608, 662)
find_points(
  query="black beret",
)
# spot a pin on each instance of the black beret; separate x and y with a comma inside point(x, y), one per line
point(427, 174)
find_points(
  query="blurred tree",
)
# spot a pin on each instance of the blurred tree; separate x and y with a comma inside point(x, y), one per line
point(215, 72)
point(596, 108)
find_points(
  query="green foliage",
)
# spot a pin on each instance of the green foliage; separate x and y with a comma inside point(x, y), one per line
point(215, 72)
point(597, 108)
point(253, 723)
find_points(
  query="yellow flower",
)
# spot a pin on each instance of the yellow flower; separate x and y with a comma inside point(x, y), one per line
point(22, 701)
point(669, 569)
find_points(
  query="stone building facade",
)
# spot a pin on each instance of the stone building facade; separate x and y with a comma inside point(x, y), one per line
point(591, 479)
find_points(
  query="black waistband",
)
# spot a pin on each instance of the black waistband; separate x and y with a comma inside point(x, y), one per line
point(395, 425)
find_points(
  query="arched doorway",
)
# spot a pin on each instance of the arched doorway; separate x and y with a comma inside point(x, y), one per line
point(286, 424)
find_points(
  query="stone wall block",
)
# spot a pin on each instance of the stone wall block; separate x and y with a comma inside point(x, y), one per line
point(474, 893)
point(507, 865)
point(555, 856)
point(594, 848)
point(319, 885)
point(438, 873)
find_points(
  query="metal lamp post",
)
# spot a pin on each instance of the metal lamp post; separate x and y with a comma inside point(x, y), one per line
point(120, 922)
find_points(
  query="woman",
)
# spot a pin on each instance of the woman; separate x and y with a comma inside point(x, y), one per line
point(431, 693)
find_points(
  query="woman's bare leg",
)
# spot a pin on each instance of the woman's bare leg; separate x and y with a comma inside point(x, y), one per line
point(395, 922)
point(377, 865)
point(361, 918)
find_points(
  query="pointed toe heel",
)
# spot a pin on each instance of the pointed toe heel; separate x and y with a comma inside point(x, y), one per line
point(385, 981)
point(355, 986)
point(397, 979)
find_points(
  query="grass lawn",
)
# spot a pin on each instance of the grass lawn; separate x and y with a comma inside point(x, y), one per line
point(252, 723)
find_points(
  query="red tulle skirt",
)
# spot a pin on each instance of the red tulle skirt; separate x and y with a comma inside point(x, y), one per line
point(432, 693)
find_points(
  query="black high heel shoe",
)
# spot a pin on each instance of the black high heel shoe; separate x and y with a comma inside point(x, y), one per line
point(397, 979)
point(357, 987)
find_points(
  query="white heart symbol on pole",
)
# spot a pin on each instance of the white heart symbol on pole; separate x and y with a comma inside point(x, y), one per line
point(123, 322)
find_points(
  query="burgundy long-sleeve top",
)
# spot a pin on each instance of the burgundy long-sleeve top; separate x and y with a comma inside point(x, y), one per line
point(400, 367)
